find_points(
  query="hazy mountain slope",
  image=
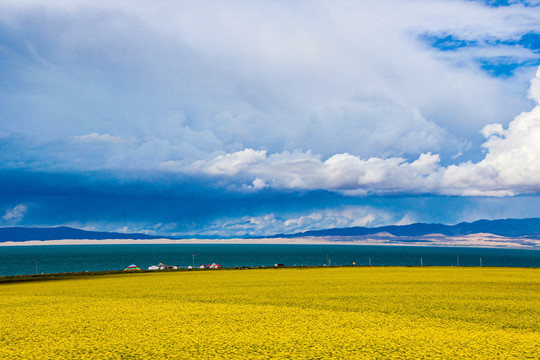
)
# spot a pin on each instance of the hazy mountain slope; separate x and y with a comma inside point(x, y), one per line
point(506, 227)
point(24, 234)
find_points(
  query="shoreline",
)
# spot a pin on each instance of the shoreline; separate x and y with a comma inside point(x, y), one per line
point(7, 279)
point(269, 241)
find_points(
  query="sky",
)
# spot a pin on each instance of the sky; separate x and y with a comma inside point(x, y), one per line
point(263, 117)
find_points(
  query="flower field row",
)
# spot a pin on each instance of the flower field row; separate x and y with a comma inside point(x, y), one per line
point(338, 313)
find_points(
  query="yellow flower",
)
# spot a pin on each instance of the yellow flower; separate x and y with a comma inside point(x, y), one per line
point(332, 313)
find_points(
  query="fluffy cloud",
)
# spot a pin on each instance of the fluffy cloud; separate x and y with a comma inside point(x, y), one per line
point(16, 214)
point(511, 166)
point(231, 164)
point(512, 162)
point(306, 171)
point(271, 224)
point(534, 90)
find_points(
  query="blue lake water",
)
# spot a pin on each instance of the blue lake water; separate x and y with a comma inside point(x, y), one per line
point(19, 260)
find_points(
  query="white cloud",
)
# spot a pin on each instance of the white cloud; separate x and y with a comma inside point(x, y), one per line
point(512, 162)
point(365, 221)
point(406, 220)
point(258, 183)
point(230, 164)
point(16, 214)
point(99, 138)
point(304, 170)
point(492, 129)
point(534, 91)
point(271, 224)
point(511, 166)
point(334, 77)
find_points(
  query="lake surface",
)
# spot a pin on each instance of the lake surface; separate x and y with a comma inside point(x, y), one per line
point(19, 260)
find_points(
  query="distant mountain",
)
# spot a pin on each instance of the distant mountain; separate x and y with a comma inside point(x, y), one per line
point(56, 233)
point(511, 228)
point(506, 227)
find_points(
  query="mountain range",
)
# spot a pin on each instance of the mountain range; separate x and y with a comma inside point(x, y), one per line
point(505, 227)
point(511, 228)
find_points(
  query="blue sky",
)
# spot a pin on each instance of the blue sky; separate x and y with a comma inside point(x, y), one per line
point(233, 118)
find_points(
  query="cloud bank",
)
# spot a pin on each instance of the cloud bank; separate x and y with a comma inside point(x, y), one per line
point(190, 80)
point(511, 166)
point(184, 117)
point(271, 224)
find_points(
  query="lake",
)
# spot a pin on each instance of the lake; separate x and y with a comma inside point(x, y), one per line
point(20, 260)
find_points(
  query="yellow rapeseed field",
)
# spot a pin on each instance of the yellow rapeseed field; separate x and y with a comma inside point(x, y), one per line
point(328, 313)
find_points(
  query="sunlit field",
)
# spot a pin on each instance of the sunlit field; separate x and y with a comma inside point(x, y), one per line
point(318, 313)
